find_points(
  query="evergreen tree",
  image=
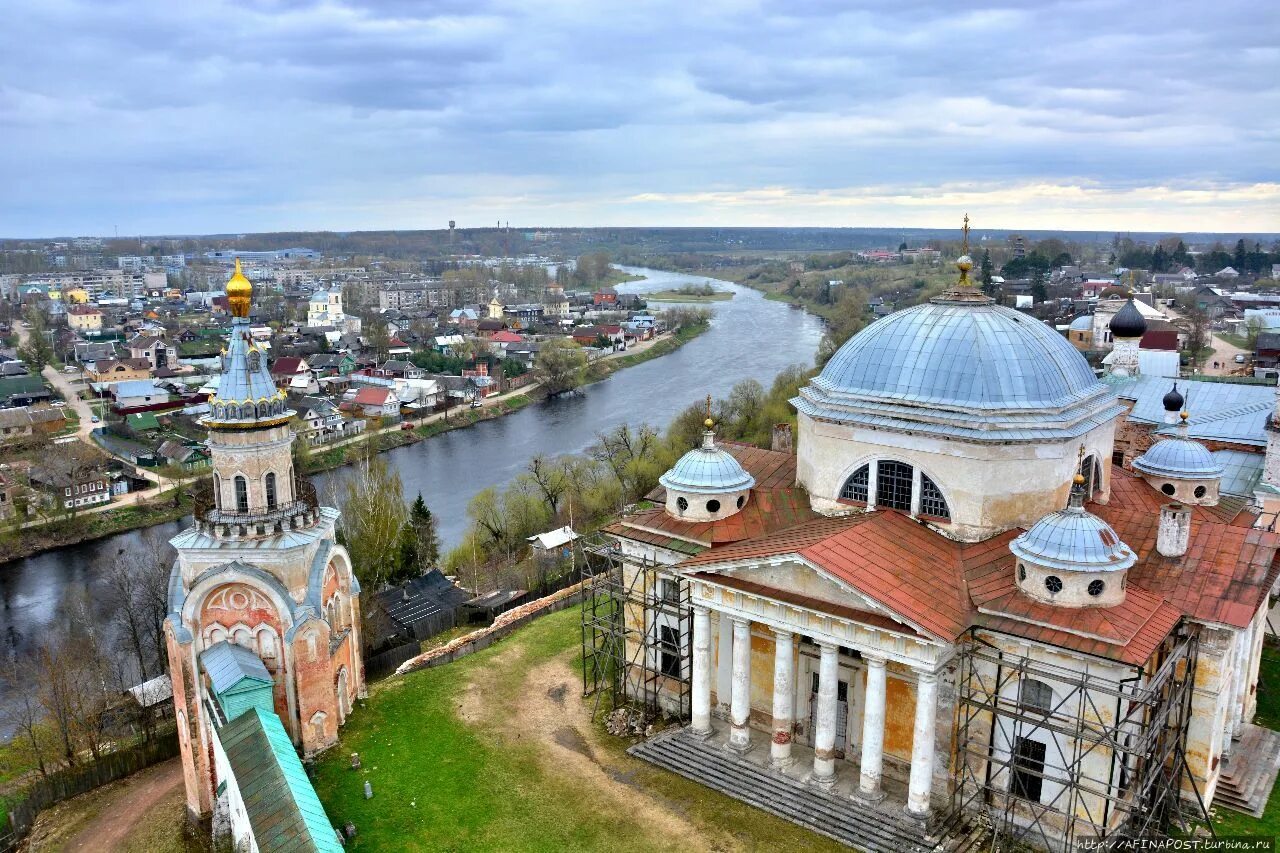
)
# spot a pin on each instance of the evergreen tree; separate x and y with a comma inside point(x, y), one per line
point(1159, 260)
point(984, 273)
point(419, 544)
point(1240, 259)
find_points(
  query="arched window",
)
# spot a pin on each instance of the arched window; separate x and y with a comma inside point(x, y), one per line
point(931, 500)
point(893, 484)
point(242, 494)
point(1092, 473)
point(1035, 696)
point(271, 490)
point(217, 490)
point(895, 489)
point(855, 488)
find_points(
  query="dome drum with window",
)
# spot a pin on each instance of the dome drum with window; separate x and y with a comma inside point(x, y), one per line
point(707, 483)
point(1181, 469)
point(1072, 558)
point(891, 484)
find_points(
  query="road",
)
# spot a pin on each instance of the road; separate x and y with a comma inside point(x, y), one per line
point(70, 386)
point(1222, 362)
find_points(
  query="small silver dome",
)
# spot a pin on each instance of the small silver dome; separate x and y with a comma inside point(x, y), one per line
point(707, 470)
point(1072, 539)
point(1083, 323)
point(1179, 458)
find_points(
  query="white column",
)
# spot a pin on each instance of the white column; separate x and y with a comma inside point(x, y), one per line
point(1245, 641)
point(724, 666)
point(740, 712)
point(873, 483)
point(824, 735)
point(784, 688)
point(873, 732)
point(701, 671)
point(922, 744)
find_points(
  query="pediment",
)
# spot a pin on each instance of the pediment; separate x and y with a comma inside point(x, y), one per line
point(798, 578)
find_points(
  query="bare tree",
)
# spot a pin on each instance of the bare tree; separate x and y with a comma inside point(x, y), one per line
point(549, 476)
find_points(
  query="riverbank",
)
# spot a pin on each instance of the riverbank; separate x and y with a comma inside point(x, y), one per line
point(85, 527)
point(160, 508)
point(692, 298)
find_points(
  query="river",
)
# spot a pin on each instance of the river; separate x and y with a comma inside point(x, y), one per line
point(750, 337)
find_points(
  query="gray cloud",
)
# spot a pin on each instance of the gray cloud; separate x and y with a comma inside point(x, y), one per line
point(264, 114)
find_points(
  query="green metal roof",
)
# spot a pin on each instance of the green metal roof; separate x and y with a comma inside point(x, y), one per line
point(283, 809)
point(143, 421)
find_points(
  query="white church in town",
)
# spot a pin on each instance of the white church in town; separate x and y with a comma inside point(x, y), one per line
point(956, 607)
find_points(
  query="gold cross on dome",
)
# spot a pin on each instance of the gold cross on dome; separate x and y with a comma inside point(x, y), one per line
point(966, 235)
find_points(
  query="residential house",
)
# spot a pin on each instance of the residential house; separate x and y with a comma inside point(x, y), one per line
point(605, 297)
point(500, 342)
point(159, 352)
point(1267, 353)
point(525, 314)
point(590, 336)
point(20, 422)
point(416, 609)
point(448, 344)
point(85, 318)
point(137, 394)
point(467, 318)
point(118, 370)
point(488, 328)
point(13, 367)
point(376, 402)
point(191, 457)
point(293, 374)
point(332, 364)
point(398, 348)
point(324, 423)
point(73, 488)
point(22, 391)
point(88, 353)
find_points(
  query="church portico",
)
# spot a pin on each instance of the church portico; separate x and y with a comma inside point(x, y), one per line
point(841, 683)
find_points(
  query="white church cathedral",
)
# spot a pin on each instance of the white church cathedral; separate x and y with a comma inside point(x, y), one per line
point(951, 609)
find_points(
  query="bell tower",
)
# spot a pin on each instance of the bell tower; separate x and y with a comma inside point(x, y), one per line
point(259, 568)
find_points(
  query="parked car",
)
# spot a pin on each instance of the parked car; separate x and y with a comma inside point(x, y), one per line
point(1239, 358)
point(476, 404)
point(95, 419)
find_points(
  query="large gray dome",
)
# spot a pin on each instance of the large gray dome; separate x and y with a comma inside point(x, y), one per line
point(956, 366)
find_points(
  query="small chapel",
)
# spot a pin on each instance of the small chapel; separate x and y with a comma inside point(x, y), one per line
point(953, 608)
point(263, 629)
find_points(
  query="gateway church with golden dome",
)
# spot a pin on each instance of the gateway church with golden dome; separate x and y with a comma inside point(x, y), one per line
point(954, 606)
point(263, 630)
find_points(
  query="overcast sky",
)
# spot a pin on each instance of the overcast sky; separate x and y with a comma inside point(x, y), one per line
point(183, 116)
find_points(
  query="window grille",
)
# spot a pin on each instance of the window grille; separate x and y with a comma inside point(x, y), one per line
point(931, 500)
point(855, 488)
point(271, 490)
point(669, 650)
point(1028, 769)
point(893, 485)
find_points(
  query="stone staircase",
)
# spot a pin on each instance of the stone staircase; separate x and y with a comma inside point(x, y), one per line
point(1250, 773)
point(865, 827)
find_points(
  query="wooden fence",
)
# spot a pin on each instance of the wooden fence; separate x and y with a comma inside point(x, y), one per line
point(71, 781)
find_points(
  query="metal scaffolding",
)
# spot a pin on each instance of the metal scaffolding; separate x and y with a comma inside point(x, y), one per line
point(636, 633)
point(1050, 755)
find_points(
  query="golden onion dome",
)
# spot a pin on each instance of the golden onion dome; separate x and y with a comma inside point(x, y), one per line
point(239, 292)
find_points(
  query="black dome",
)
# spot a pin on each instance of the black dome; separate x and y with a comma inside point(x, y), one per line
point(1128, 322)
point(1173, 400)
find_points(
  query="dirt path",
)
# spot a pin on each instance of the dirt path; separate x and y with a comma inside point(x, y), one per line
point(111, 821)
point(560, 726)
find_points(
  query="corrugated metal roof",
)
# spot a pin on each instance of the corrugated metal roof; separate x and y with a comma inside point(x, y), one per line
point(283, 809)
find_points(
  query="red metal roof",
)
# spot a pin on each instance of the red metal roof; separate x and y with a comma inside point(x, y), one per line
point(371, 396)
point(288, 365)
point(946, 587)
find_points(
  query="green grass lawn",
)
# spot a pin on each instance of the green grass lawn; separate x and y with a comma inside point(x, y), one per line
point(460, 758)
point(1227, 822)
